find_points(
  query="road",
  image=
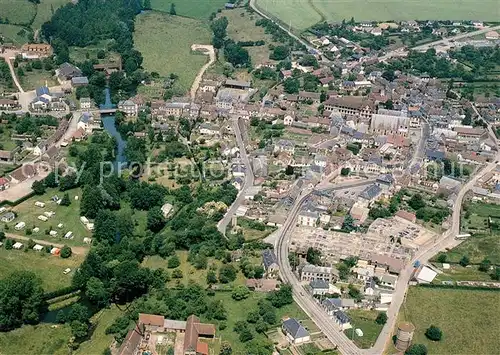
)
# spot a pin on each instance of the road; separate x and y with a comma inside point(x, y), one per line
point(249, 178)
point(197, 80)
point(419, 152)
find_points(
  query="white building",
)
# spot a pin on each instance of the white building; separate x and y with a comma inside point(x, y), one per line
point(295, 332)
point(128, 107)
point(308, 218)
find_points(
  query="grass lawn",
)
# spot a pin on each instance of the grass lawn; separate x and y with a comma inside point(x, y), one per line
point(99, 340)
point(17, 12)
point(49, 267)
point(45, 11)
point(477, 247)
point(69, 216)
point(10, 32)
point(460, 273)
point(36, 78)
point(79, 54)
point(190, 8)
point(241, 27)
point(251, 233)
point(237, 311)
point(165, 43)
point(469, 319)
point(6, 142)
point(301, 14)
point(364, 320)
point(37, 339)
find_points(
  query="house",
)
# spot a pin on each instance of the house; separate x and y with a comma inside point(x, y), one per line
point(128, 107)
point(406, 215)
point(284, 145)
point(67, 71)
point(309, 96)
point(17, 245)
point(370, 193)
point(288, 120)
point(166, 209)
point(6, 156)
point(78, 81)
point(388, 280)
point(8, 104)
point(270, 263)
point(209, 86)
point(369, 289)
point(425, 275)
point(342, 320)
point(333, 305)
point(23, 173)
point(209, 129)
point(308, 218)
point(238, 183)
point(7, 217)
point(311, 272)
point(319, 287)
point(4, 184)
point(351, 105)
point(237, 84)
point(85, 122)
point(36, 50)
point(295, 332)
point(493, 35)
point(38, 247)
point(85, 103)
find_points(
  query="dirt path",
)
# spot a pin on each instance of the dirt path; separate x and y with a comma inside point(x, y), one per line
point(6, 56)
point(75, 250)
point(197, 80)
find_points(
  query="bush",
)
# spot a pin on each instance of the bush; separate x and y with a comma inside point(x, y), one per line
point(381, 318)
point(416, 349)
point(434, 333)
point(173, 262)
point(66, 252)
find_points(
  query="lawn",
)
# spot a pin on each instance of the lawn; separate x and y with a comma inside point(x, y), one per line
point(190, 8)
point(45, 10)
point(364, 320)
point(69, 216)
point(477, 247)
point(165, 43)
point(36, 78)
point(10, 32)
point(79, 54)
point(301, 14)
point(19, 12)
point(37, 339)
point(241, 27)
point(49, 267)
point(250, 232)
point(6, 143)
point(460, 273)
point(469, 319)
point(237, 311)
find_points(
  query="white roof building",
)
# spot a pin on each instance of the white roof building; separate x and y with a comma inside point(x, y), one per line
point(17, 245)
point(426, 275)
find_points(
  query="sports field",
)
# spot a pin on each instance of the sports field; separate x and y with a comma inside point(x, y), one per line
point(468, 318)
point(190, 8)
point(165, 43)
point(300, 14)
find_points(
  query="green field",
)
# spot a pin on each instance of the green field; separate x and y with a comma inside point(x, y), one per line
point(49, 267)
point(165, 43)
point(18, 11)
point(301, 14)
point(36, 339)
point(36, 78)
point(364, 320)
point(477, 248)
point(469, 319)
point(190, 8)
point(460, 273)
point(10, 32)
point(69, 216)
point(44, 11)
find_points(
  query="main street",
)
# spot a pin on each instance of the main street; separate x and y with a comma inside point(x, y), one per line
point(249, 178)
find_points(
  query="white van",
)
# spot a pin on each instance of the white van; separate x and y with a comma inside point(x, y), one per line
point(68, 235)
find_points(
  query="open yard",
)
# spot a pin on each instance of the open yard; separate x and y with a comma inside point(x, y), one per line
point(457, 272)
point(37, 339)
point(190, 8)
point(17, 12)
point(302, 14)
point(253, 230)
point(69, 216)
point(49, 267)
point(165, 43)
point(469, 319)
point(36, 78)
point(364, 320)
point(477, 247)
point(12, 34)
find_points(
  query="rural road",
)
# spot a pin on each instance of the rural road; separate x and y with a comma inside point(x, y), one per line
point(197, 80)
point(6, 56)
point(75, 250)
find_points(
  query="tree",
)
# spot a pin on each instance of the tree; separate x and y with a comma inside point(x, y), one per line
point(348, 224)
point(279, 53)
point(155, 219)
point(173, 262)
point(464, 261)
point(21, 300)
point(416, 349)
point(434, 333)
point(227, 273)
point(38, 187)
point(281, 297)
point(65, 201)
point(291, 85)
point(289, 170)
point(345, 171)
point(381, 318)
point(344, 271)
point(246, 335)
point(253, 316)
point(66, 252)
point(147, 5)
point(9, 244)
point(225, 348)
point(211, 277)
point(485, 265)
point(172, 9)
point(79, 329)
point(50, 180)
point(442, 257)
point(177, 274)
point(313, 256)
point(240, 292)
point(416, 202)
point(96, 292)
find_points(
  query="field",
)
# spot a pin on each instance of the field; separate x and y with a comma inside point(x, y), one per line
point(251, 233)
point(242, 28)
point(10, 32)
point(190, 8)
point(43, 339)
point(469, 319)
point(460, 273)
point(165, 43)
point(301, 14)
point(69, 216)
point(44, 11)
point(364, 320)
point(36, 78)
point(20, 13)
point(50, 268)
point(477, 248)
point(6, 143)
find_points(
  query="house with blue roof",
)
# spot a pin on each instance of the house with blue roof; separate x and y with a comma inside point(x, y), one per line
point(295, 332)
point(342, 320)
point(270, 263)
point(370, 193)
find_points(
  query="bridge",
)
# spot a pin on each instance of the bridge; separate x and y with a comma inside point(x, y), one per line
point(107, 111)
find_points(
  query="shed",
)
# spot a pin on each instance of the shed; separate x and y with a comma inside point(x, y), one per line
point(17, 245)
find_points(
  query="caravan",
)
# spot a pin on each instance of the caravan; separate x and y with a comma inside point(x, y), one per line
point(39, 204)
point(43, 218)
point(68, 235)
point(20, 226)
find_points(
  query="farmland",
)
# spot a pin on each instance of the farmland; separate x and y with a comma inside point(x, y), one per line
point(49, 267)
point(12, 34)
point(468, 318)
point(17, 12)
point(302, 14)
point(190, 8)
point(165, 43)
point(44, 11)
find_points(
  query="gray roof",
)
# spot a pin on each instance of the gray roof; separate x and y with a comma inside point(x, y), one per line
point(347, 302)
point(231, 82)
point(332, 303)
point(268, 258)
point(390, 279)
point(311, 214)
point(295, 329)
point(319, 284)
point(370, 192)
point(83, 80)
point(342, 317)
point(370, 283)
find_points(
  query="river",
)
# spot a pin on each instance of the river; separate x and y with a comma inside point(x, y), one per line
point(108, 122)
